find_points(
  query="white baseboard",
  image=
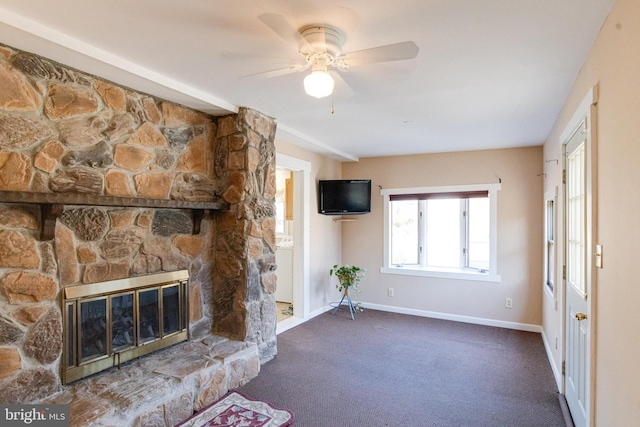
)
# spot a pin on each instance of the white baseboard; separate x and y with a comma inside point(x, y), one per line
point(456, 317)
point(293, 321)
point(288, 323)
point(556, 373)
point(422, 313)
point(320, 311)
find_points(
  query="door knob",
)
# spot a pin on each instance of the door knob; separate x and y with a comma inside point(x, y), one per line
point(580, 316)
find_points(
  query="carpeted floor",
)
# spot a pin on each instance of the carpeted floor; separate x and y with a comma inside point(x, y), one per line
point(387, 369)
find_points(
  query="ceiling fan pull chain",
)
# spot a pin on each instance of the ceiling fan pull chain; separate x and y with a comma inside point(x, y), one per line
point(332, 103)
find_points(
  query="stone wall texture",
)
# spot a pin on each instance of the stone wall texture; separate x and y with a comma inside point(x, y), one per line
point(64, 131)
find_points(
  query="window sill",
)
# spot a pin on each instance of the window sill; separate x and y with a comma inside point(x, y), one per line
point(442, 274)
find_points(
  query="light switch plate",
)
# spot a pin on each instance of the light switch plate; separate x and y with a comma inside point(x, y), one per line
point(598, 255)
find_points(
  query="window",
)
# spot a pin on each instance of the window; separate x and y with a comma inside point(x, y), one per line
point(550, 245)
point(441, 231)
point(550, 242)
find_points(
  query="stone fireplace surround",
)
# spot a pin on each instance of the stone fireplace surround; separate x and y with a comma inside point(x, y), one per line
point(134, 185)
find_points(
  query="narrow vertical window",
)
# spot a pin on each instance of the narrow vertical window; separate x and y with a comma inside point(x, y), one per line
point(550, 244)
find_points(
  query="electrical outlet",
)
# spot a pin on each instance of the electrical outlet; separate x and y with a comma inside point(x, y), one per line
point(390, 292)
point(508, 302)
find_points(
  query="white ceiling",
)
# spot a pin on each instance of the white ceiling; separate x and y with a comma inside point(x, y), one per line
point(489, 73)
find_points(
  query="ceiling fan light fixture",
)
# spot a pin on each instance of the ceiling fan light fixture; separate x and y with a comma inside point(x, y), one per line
point(318, 84)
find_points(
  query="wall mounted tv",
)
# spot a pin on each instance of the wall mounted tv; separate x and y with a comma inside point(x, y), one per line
point(344, 197)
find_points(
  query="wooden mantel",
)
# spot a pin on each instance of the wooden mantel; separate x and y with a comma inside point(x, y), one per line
point(52, 205)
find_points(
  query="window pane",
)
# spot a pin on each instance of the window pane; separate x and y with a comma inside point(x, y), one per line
point(551, 257)
point(404, 232)
point(576, 245)
point(551, 267)
point(479, 237)
point(550, 221)
point(443, 233)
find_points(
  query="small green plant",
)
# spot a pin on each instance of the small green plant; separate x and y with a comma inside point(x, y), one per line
point(349, 277)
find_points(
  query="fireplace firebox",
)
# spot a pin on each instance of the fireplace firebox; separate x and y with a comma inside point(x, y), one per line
point(109, 323)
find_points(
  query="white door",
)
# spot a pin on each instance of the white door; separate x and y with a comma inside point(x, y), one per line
point(578, 286)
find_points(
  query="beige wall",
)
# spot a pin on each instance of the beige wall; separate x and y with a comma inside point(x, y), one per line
point(519, 234)
point(325, 236)
point(613, 65)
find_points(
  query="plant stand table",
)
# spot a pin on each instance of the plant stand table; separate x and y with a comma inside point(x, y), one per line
point(352, 309)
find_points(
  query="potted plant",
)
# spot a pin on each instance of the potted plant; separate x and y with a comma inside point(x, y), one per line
point(349, 277)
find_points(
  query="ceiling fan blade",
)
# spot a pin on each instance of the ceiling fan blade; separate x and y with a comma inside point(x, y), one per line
point(342, 87)
point(293, 68)
point(391, 52)
point(283, 28)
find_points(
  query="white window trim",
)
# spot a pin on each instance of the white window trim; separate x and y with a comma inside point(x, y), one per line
point(490, 276)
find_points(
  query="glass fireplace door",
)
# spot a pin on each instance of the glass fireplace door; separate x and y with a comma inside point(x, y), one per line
point(109, 323)
point(149, 326)
point(93, 329)
point(171, 310)
point(123, 322)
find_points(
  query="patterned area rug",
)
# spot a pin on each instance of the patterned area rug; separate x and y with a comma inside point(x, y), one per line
point(237, 410)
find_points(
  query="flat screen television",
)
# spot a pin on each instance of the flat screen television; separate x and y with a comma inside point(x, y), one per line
point(344, 197)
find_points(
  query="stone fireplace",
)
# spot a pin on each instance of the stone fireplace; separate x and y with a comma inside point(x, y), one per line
point(100, 183)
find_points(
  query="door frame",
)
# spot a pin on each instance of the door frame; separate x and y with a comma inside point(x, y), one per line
point(302, 214)
point(587, 113)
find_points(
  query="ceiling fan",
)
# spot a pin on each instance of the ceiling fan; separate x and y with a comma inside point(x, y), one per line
point(321, 47)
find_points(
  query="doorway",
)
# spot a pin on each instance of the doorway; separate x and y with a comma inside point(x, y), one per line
point(292, 232)
point(580, 233)
point(284, 242)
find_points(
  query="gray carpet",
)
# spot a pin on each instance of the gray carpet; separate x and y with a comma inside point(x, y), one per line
point(387, 369)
